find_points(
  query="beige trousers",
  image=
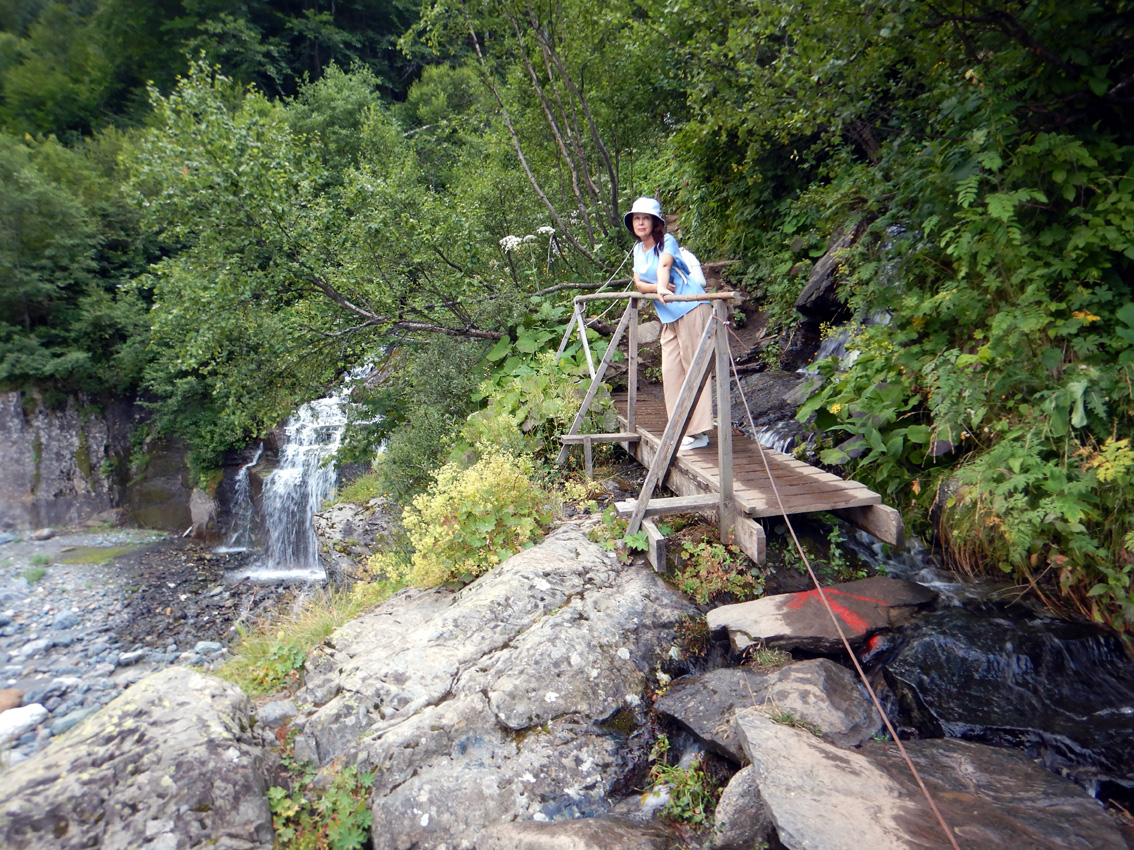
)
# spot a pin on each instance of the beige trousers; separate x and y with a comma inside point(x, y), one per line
point(678, 345)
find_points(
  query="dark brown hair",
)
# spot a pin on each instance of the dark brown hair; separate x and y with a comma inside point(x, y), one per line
point(658, 234)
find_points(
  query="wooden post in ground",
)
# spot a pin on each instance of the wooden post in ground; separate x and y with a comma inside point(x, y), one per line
point(727, 513)
point(632, 366)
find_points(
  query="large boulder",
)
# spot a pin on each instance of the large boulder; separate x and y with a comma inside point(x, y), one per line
point(601, 833)
point(801, 620)
point(817, 692)
point(169, 764)
point(822, 797)
point(510, 700)
point(821, 300)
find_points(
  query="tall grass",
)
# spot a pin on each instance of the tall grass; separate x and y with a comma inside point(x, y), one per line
point(269, 657)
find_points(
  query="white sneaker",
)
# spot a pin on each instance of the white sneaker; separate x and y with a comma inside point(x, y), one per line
point(688, 443)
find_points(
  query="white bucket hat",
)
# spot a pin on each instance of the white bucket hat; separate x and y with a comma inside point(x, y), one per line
point(649, 206)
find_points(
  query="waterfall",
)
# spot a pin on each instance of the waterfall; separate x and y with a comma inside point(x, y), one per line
point(240, 536)
point(305, 478)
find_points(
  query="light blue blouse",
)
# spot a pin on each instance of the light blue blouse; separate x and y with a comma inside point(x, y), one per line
point(646, 265)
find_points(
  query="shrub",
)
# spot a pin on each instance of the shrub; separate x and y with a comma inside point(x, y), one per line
point(360, 491)
point(528, 409)
point(469, 519)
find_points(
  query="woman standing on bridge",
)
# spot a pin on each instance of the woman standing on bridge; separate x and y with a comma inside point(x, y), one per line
point(683, 322)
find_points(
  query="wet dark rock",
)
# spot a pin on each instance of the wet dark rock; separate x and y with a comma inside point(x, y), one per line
point(1061, 690)
point(706, 704)
point(771, 398)
point(801, 621)
point(820, 300)
point(821, 797)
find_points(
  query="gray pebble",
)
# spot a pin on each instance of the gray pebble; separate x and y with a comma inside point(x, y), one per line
point(65, 620)
point(35, 647)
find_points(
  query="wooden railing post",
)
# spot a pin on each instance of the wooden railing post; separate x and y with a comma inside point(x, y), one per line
point(727, 513)
point(632, 366)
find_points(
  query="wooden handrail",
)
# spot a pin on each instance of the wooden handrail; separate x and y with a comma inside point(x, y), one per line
point(653, 296)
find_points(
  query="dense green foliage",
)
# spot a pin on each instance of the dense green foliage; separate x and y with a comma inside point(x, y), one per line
point(250, 201)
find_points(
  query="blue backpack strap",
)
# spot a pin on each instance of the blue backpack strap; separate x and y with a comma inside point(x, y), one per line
point(679, 262)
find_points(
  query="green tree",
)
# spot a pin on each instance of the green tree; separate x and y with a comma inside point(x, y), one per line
point(63, 255)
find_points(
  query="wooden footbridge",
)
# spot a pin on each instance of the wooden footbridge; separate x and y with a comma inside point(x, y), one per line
point(733, 479)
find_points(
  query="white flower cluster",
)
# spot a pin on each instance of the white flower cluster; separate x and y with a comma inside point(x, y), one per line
point(510, 243)
point(545, 230)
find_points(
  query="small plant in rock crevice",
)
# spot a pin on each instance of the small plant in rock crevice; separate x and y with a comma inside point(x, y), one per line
point(693, 792)
point(334, 817)
point(786, 718)
point(610, 534)
point(692, 633)
point(765, 658)
point(711, 570)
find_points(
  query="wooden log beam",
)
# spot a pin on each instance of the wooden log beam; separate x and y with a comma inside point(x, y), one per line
point(652, 296)
point(669, 505)
point(882, 521)
point(620, 437)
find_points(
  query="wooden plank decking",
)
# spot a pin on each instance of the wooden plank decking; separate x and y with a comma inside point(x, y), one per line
point(803, 488)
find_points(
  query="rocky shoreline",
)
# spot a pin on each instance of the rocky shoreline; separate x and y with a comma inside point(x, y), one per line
point(86, 613)
point(521, 712)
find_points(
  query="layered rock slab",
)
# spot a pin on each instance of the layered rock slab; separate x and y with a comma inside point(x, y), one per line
point(801, 620)
point(488, 705)
point(169, 764)
point(817, 692)
point(821, 797)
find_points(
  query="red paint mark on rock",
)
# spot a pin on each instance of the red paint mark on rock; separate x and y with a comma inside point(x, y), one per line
point(848, 616)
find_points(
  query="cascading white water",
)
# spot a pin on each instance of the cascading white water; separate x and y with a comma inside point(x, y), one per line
point(295, 491)
point(305, 477)
point(780, 437)
point(240, 536)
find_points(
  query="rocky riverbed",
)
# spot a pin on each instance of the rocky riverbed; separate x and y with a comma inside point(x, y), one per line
point(86, 612)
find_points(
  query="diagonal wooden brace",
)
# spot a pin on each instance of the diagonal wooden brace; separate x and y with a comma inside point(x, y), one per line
point(690, 390)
